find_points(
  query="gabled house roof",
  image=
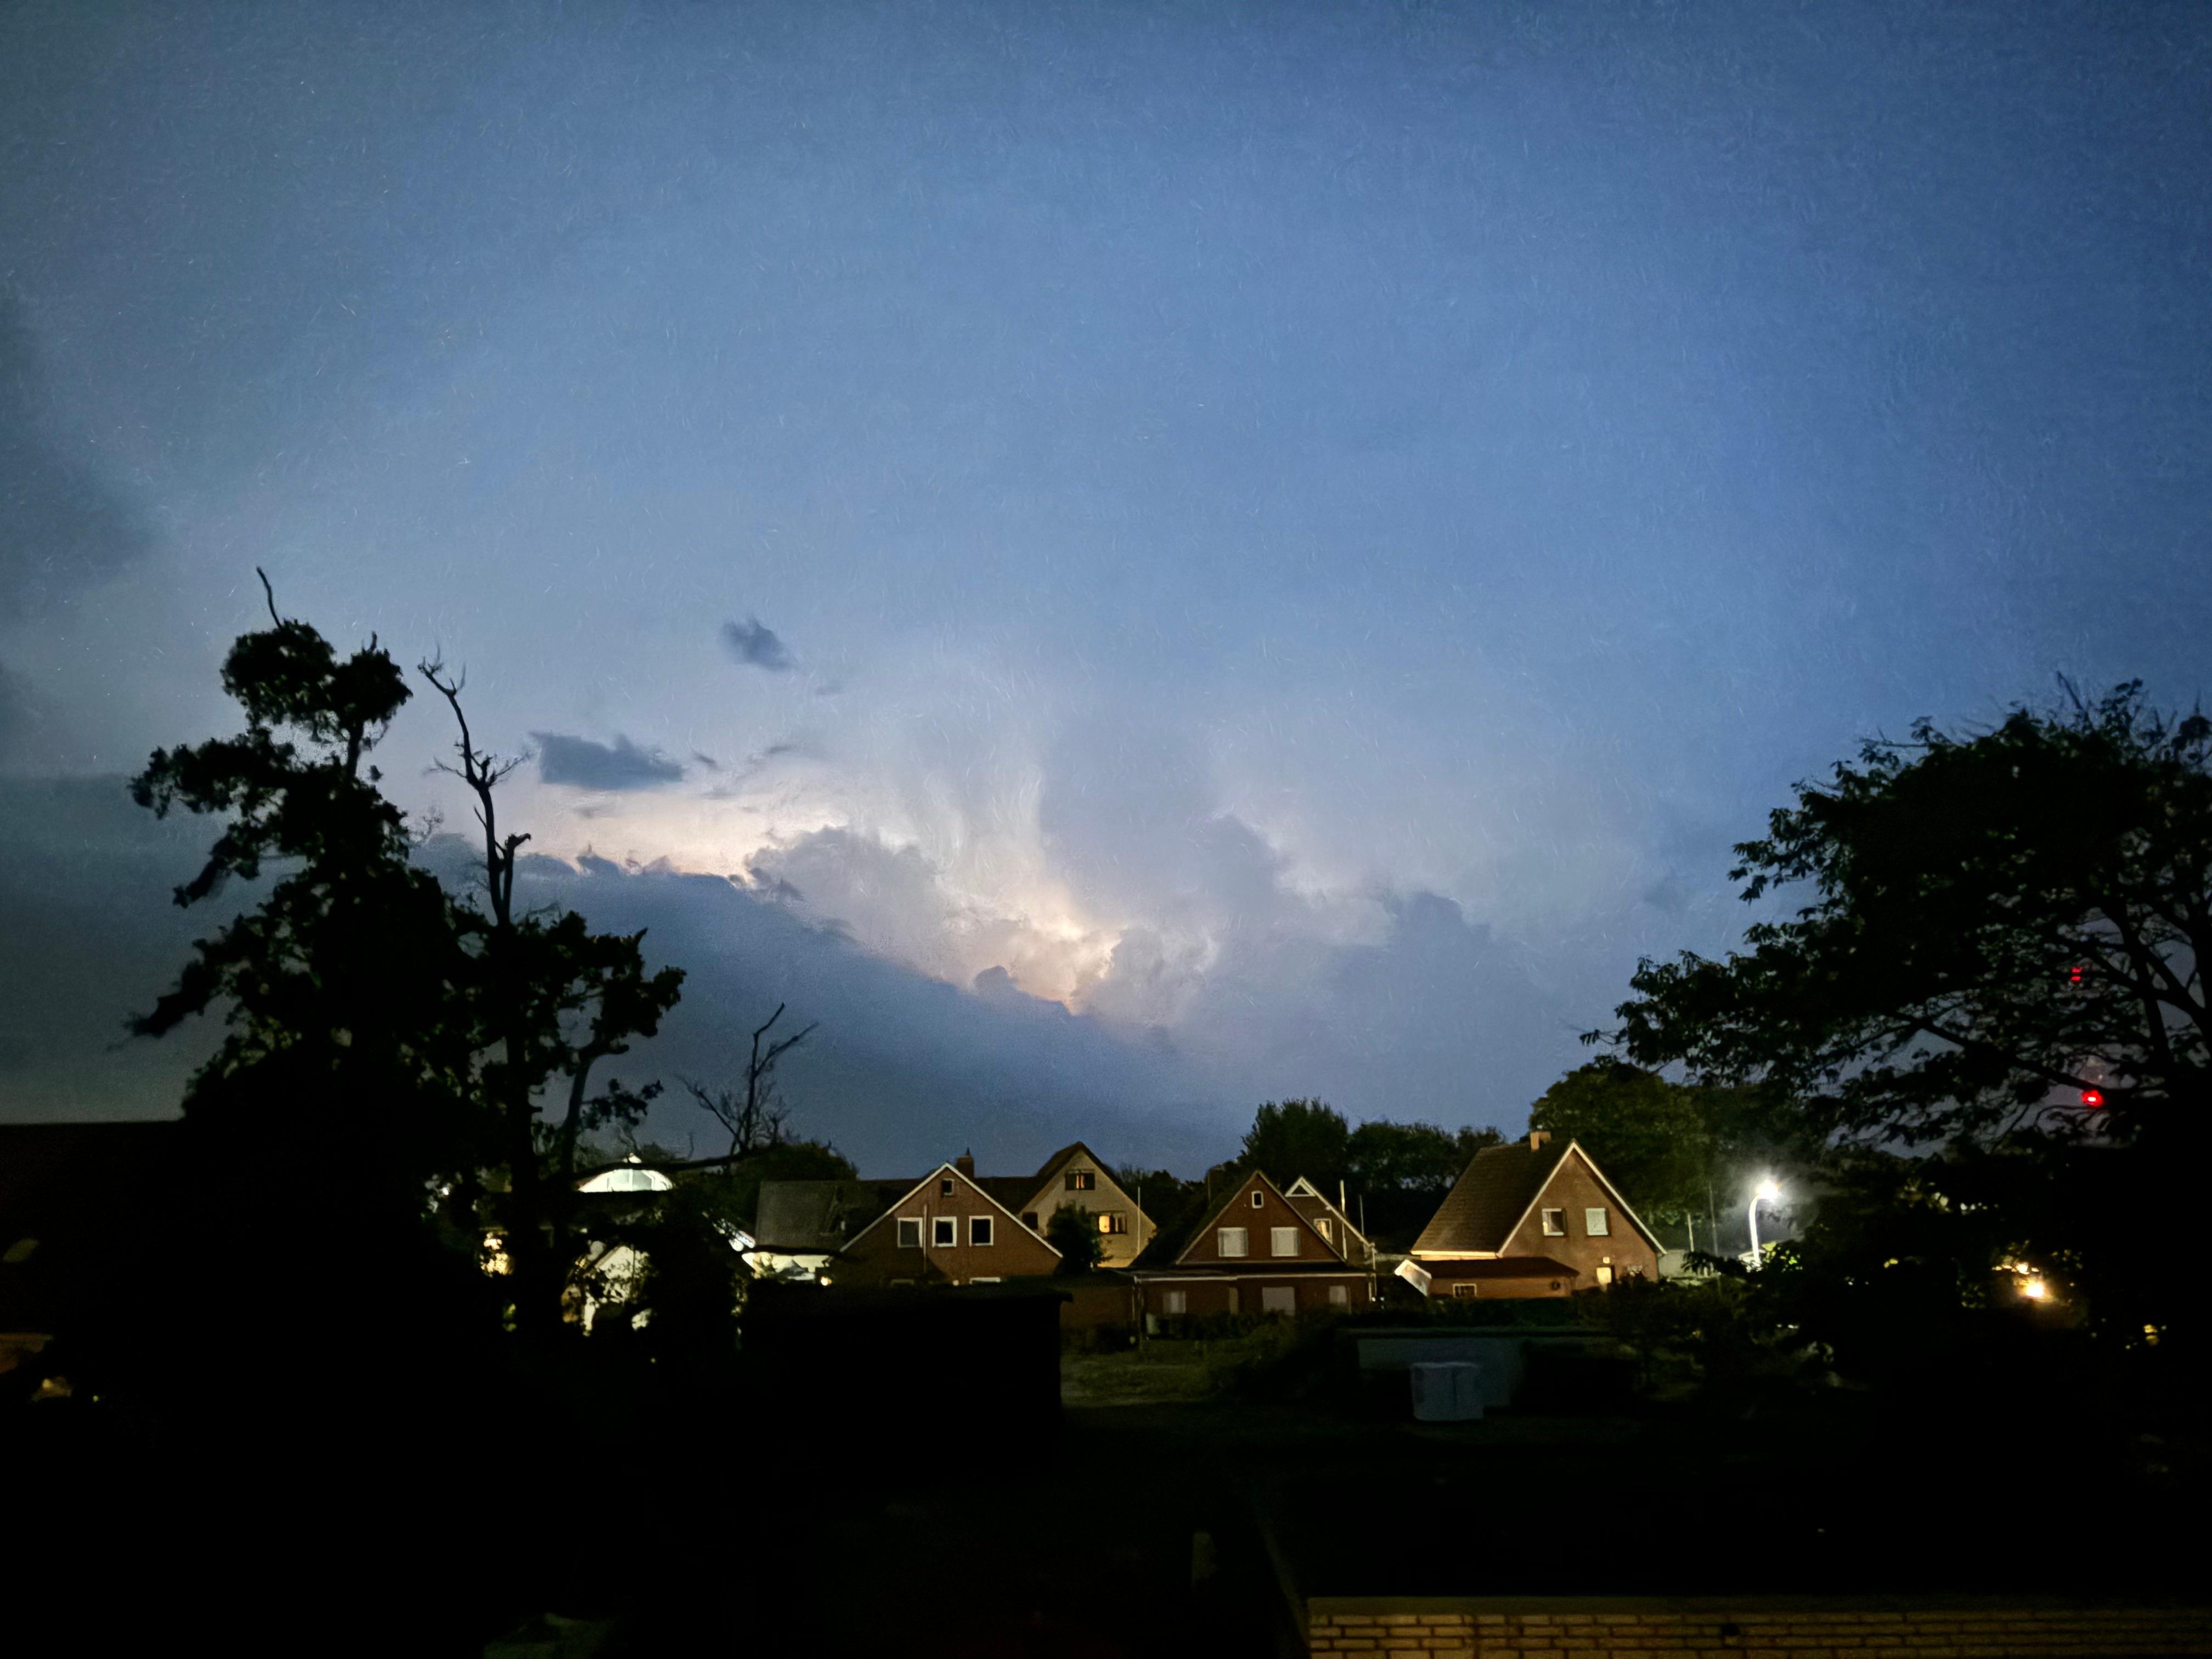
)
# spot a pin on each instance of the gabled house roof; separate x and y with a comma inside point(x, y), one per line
point(940, 1171)
point(1495, 1193)
point(805, 1216)
point(1228, 1200)
point(1309, 1200)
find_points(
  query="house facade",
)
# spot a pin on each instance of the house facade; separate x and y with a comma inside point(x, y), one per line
point(945, 1229)
point(1258, 1252)
point(1536, 1217)
point(1075, 1176)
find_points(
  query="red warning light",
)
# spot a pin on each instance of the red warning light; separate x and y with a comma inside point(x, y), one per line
point(2093, 1098)
point(2073, 975)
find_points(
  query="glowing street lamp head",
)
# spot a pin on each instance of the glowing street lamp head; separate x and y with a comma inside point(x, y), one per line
point(1768, 1191)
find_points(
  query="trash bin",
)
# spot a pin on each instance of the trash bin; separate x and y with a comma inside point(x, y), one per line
point(1449, 1392)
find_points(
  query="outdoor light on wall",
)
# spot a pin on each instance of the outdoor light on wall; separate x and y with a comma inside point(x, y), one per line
point(1768, 1191)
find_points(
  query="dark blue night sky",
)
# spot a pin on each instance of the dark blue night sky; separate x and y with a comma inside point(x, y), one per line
point(1178, 554)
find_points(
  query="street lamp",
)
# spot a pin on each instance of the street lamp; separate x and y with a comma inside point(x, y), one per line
point(1766, 1191)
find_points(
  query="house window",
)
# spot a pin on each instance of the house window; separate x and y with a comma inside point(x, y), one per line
point(1258, 1198)
point(1082, 1180)
point(1555, 1223)
point(944, 1231)
point(1463, 1292)
point(1173, 1303)
point(1234, 1240)
point(978, 1230)
point(1595, 1224)
point(1234, 1301)
point(945, 1187)
point(1028, 1219)
point(1327, 1227)
point(1282, 1241)
point(1278, 1299)
point(1340, 1296)
point(910, 1232)
point(1113, 1221)
point(1604, 1276)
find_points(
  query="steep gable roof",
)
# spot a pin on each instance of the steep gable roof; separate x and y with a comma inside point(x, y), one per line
point(1229, 1201)
point(1309, 1200)
point(1495, 1192)
point(1490, 1197)
point(969, 1182)
point(813, 1215)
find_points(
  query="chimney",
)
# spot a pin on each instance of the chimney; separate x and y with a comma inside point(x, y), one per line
point(966, 1163)
point(1538, 1138)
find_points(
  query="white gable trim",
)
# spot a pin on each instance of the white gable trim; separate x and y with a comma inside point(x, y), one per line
point(1574, 1147)
point(938, 1173)
point(1302, 1187)
point(1214, 1217)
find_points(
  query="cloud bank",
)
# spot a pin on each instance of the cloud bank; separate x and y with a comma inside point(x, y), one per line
point(580, 763)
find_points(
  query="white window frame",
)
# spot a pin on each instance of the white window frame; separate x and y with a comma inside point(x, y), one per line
point(1555, 1223)
point(937, 1222)
point(946, 1187)
point(981, 1224)
point(914, 1222)
point(1279, 1237)
point(1242, 1234)
point(1604, 1227)
point(1259, 1198)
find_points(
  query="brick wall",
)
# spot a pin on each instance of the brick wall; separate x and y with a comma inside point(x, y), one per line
point(1749, 1628)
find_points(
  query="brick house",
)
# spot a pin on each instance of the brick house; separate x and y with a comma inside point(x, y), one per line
point(945, 1229)
point(1529, 1219)
point(1258, 1252)
point(1075, 1176)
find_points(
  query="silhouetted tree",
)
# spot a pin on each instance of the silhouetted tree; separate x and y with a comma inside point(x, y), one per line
point(1397, 1174)
point(550, 1000)
point(1294, 1138)
point(1074, 1231)
point(2002, 950)
point(754, 1114)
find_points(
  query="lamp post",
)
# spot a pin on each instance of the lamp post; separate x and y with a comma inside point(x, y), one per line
point(1766, 1192)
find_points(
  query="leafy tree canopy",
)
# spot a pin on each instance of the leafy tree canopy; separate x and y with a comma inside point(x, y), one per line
point(1998, 923)
point(1293, 1138)
point(1074, 1231)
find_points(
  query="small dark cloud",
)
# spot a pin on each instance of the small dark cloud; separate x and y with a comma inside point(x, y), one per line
point(755, 643)
point(707, 761)
point(583, 764)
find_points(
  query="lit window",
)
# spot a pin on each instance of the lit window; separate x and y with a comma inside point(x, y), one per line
point(1464, 1293)
point(1340, 1296)
point(910, 1232)
point(1282, 1241)
point(944, 1186)
point(1173, 1303)
point(1604, 1275)
point(978, 1230)
point(1082, 1180)
point(1596, 1225)
point(1235, 1240)
point(1555, 1223)
point(1113, 1221)
point(1327, 1227)
point(944, 1231)
point(1258, 1198)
